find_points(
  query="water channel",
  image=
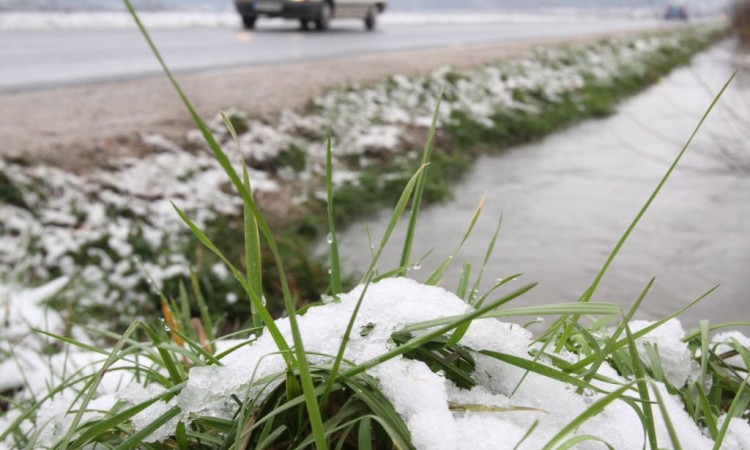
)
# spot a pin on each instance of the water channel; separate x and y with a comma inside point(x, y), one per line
point(567, 199)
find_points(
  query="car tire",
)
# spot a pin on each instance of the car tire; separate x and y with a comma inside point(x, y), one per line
point(371, 19)
point(324, 17)
point(249, 22)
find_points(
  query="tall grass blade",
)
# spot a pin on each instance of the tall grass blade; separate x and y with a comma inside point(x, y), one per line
point(733, 411)
point(336, 287)
point(253, 261)
point(395, 216)
point(640, 378)
point(673, 437)
point(419, 192)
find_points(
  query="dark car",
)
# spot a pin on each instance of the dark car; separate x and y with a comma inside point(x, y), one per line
point(311, 12)
point(676, 12)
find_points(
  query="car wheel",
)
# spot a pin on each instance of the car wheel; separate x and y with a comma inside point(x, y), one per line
point(324, 16)
point(249, 22)
point(371, 19)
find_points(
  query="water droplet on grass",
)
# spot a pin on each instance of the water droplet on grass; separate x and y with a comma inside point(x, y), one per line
point(329, 238)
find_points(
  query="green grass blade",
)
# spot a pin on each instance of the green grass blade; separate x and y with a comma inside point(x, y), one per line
point(208, 325)
point(419, 192)
point(575, 441)
point(267, 319)
point(529, 432)
point(398, 211)
point(336, 287)
point(732, 412)
point(718, 326)
point(667, 421)
point(640, 377)
point(463, 282)
point(364, 438)
point(253, 258)
point(604, 309)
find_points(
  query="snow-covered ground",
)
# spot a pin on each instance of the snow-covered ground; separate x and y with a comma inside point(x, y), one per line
point(500, 416)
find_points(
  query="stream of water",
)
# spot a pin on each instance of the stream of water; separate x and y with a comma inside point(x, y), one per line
point(567, 199)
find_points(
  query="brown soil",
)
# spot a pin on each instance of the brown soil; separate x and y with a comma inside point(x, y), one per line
point(77, 128)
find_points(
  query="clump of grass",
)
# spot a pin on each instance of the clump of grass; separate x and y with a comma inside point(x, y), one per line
point(338, 403)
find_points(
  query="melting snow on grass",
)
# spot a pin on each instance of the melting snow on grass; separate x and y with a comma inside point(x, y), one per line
point(423, 398)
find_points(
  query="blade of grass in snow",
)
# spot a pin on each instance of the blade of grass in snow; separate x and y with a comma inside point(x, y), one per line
point(253, 261)
point(667, 421)
point(528, 433)
point(208, 325)
point(574, 441)
point(540, 310)
point(278, 338)
point(718, 326)
point(419, 192)
point(397, 213)
point(640, 378)
point(336, 287)
point(590, 291)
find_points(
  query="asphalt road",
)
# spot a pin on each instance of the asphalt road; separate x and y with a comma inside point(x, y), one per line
point(41, 59)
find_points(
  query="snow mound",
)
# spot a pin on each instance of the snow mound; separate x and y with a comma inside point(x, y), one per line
point(423, 398)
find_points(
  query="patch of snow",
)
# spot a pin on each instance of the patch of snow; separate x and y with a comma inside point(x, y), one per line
point(676, 359)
